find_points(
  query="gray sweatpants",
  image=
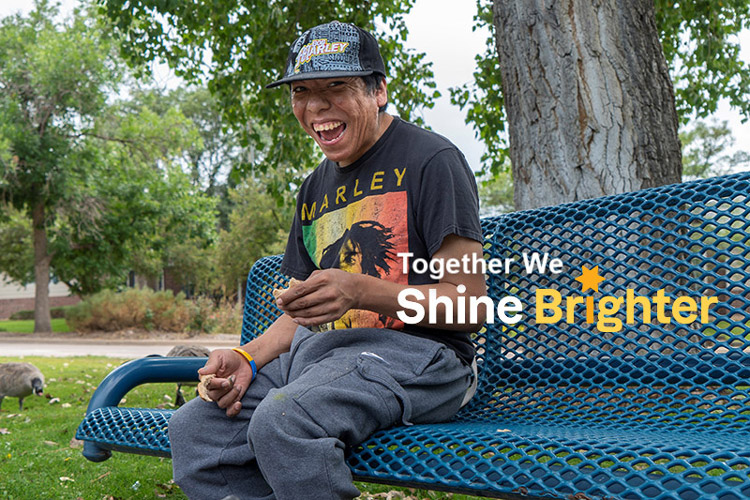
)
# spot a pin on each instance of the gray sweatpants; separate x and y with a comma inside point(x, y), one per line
point(304, 409)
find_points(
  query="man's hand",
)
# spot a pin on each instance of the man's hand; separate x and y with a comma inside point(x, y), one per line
point(329, 293)
point(232, 378)
point(323, 297)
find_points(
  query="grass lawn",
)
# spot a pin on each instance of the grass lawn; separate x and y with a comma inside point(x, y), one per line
point(27, 326)
point(39, 458)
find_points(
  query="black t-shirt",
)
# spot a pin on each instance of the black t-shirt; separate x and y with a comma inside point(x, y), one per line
point(409, 191)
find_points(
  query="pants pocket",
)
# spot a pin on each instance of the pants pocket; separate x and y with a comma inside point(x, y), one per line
point(374, 368)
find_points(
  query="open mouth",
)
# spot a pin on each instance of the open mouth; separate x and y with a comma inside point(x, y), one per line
point(329, 132)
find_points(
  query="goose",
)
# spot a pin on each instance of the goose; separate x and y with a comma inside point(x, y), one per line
point(18, 380)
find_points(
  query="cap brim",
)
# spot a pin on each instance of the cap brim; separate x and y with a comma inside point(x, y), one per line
point(316, 75)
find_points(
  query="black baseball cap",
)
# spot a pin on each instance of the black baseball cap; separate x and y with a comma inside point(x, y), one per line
point(332, 50)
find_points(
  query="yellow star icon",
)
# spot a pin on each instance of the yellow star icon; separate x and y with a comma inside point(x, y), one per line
point(590, 278)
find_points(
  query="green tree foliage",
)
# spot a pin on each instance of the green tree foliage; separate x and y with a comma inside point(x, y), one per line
point(17, 256)
point(214, 162)
point(147, 220)
point(95, 179)
point(258, 226)
point(701, 46)
point(705, 153)
point(237, 47)
point(496, 194)
point(210, 160)
point(219, 153)
point(249, 221)
point(150, 138)
point(54, 80)
point(483, 99)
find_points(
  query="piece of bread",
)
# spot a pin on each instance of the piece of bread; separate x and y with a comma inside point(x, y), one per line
point(278, 291)
point(203, 386)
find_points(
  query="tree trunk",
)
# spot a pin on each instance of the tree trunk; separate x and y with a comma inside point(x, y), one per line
point(588, 97)
point(42, 319)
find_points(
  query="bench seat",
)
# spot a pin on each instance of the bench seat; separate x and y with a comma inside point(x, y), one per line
point(569, 407)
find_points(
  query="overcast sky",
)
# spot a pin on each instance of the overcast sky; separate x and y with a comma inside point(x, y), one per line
point(442, 29)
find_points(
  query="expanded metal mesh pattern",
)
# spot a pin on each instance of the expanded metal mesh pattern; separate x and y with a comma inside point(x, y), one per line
point(651, 409)
point(260, 305)
point(135, 430)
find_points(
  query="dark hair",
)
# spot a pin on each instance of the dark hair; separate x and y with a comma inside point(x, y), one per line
point(372, 82)
point(370, 239)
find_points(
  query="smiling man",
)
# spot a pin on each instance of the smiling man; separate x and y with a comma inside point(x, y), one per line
point(337, 365)
point(341, 114)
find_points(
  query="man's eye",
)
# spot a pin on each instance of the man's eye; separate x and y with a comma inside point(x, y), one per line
point(297, 90)
point(336, 84)
point(347, 257)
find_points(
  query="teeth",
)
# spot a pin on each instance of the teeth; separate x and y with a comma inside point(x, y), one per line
point(319, 127)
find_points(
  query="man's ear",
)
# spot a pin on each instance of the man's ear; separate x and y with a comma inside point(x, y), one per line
point(381, 93)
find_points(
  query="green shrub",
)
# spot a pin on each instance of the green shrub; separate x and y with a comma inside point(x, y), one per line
point(144, 309)
point(227, 318)
point(134, 308)
point(203, 319)
point(55, 312)
point(23, 315)
point(172, 313)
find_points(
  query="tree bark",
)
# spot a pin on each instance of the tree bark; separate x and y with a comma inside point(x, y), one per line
point(589, 100)
point(42, 318)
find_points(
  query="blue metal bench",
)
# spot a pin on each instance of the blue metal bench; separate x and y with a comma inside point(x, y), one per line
point(563, 410)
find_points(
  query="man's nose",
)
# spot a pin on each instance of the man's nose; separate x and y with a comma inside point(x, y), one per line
point(317, 101)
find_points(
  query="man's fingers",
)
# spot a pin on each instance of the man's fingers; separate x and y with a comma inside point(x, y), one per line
point(314, 310)
point(215, 388)
point(293, 294)
point(234, 410)
point(317, 298)
point(231, 397)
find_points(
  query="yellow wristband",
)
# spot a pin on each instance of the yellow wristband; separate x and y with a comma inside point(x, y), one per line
point(249, 359)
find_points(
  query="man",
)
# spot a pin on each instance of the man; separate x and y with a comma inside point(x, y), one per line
point(337, 366)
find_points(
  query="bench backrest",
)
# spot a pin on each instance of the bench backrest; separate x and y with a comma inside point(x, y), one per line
point(687, 240)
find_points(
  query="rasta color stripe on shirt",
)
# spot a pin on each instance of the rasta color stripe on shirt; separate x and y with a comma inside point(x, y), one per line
point(364, 237)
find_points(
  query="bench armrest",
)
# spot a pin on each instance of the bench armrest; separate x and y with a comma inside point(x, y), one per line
point(153, 369)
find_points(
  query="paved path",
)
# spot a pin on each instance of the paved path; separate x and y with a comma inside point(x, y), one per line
point(129, 349)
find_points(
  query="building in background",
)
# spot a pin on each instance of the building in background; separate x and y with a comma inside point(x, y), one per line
point(15, 297)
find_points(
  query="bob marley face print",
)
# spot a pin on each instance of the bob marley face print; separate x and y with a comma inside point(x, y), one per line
point(364, 248)
point(363, 237)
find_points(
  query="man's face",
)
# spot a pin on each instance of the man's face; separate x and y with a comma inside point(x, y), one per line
point(350, 258)
point(341, 115)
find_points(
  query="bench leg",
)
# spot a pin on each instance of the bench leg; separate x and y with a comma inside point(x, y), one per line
point(94, 453)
